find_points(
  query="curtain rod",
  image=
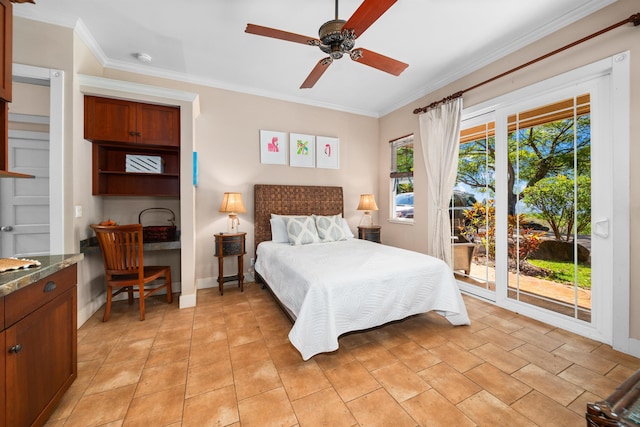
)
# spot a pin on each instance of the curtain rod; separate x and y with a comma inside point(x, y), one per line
point(635, 19)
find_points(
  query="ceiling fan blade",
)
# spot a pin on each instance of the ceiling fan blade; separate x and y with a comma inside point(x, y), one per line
point(279, 34)
point(316, 73)
point(368, 12)
point(376, 60)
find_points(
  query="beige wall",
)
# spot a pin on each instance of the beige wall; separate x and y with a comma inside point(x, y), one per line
point(29, 99)
point(403, 121)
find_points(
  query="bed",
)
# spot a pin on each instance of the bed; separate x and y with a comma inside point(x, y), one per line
point(329, 288)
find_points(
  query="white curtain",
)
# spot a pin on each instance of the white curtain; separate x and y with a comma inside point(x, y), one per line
point(440, 136)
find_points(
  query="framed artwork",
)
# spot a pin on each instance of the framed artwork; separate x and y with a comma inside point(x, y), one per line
point(327, 152)
point(273, 147)
point(302, 150)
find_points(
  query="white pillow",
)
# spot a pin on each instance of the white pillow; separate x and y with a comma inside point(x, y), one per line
point(329, 228)
point(278, 230)
point(347, 231)
point(301, 230)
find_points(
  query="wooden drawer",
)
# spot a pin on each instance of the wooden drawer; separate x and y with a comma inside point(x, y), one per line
point(369, 233)
point(228, 245)
point(2, 314)
point(230, 248)
point(25, 301)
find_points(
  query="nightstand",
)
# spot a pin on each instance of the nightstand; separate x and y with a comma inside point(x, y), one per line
point(230, 244)
point(371, 233)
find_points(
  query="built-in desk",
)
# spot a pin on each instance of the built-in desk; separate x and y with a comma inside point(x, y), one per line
point(90, 245)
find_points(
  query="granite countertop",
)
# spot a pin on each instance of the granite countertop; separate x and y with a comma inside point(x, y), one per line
point(11, 281)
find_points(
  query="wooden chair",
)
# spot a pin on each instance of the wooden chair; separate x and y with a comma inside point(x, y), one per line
point(123, 256)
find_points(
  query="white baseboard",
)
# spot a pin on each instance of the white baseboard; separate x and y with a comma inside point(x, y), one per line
point(208, 282)
point(89, 309)
point(634, 347)
point(187, 301)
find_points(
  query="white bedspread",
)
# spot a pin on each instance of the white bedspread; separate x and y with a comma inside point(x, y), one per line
point(351, 285)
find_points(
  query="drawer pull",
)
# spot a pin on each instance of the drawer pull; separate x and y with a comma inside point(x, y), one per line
point(50, 286)
point(15, 349)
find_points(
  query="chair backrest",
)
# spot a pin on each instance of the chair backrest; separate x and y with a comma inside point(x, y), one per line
point(121, 247)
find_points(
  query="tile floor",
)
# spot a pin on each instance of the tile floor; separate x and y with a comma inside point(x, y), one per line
point(227, 362)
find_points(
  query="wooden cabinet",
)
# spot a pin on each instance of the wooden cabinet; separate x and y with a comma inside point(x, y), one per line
point(110, 177)
point(6, 49)
point(2, 365)
point(116, 120)
point(6, 61)
point(120, 129)
point(3, 381)
point(39, 357)
point(6, 46)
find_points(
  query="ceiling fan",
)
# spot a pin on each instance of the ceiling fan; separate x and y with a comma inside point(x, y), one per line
point(337, 38)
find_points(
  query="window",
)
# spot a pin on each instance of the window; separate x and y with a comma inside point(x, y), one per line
point(401, 179)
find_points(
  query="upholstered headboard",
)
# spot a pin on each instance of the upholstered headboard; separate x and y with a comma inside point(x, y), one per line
point(292, 200)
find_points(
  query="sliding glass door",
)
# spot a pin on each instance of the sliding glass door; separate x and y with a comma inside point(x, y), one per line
point(529, 211)
point(549, 206)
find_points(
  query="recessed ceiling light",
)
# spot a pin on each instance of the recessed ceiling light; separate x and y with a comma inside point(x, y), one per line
point(143, 57)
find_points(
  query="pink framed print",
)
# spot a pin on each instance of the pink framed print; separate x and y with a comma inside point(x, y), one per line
point(327, 152)
point(273, 147)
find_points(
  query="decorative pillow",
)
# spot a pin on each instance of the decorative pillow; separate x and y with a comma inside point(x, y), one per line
point(301, 230)
point(279, 231)
point(329, 228)
point(347, 231)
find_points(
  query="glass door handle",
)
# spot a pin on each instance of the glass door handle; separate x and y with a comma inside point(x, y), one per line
point(601, 228)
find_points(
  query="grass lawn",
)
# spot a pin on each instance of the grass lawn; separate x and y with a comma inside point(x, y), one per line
point(563, 272)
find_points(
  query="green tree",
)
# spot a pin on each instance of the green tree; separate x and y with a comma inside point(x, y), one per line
point(404, 169)
point(554, 198)
point(535, 153)
point(404, 159)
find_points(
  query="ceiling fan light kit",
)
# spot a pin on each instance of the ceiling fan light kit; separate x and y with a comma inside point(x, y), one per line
point(338, 37)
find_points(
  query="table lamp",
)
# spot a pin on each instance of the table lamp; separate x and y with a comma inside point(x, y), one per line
point(367, 204)
point(232, 204)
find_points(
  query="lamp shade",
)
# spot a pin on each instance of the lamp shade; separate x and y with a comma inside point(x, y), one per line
point(367, 203)
point(232, 203)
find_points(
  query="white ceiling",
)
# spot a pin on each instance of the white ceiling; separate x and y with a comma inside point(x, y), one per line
point(203, 41)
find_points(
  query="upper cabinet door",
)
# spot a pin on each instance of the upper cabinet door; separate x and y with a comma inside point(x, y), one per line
point(6, 48)
point(109, 120)
point(115, 120)
point(158, 125)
